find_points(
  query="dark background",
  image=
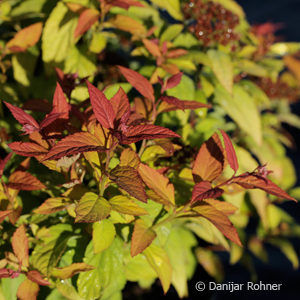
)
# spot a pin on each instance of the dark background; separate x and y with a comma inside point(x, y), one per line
point(279, 269)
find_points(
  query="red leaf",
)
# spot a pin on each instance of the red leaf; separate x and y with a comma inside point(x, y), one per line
point(28, 122)
point(219, 219)
point(120, 103)
point(125, 3)
point(49, 119)
point(250, 181)
point(6, 273)
point(73, 144)
point(102, 108)
point(60, 103)
point(173, 81)
point(86, 20)
point(139, 82)
point(128, 179)
point(203, 190)
point(20, 246)
point(27, 149)
point(209, 162)
point(3, 162)
point(36, 277)
point(40, 105)
point(134, 134)
point(24, 181)
point(230, 152)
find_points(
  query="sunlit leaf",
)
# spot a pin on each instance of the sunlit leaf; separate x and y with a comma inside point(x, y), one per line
point(103, 235)
point(28, 290)
point(125, 205)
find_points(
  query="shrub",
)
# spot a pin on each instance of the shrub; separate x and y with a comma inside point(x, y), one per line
point(124, 177)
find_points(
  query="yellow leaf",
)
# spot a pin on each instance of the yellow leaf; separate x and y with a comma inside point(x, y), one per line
point(159, 261)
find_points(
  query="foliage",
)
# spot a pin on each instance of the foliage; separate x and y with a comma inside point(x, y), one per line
point(128, 165)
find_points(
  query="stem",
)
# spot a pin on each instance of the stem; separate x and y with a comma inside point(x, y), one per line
point(143, 146)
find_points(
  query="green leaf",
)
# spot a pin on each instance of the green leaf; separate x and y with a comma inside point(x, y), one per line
point(103, 235)
point(171, 6)
point(242, 109)
point(78, 62)
point(179, 249)
point(159, 261)
point(23, 66)
point(211, 263)
point(222, 67)
point(67, 290)
point(287, 249)
point(171, 32)
point(108, 276)
point(98, 42)
point(9, 287)
point(92, 208)
point(112, 89)
point(133, 268)
point(232, 6)
point(52, 244)
point(58, 34)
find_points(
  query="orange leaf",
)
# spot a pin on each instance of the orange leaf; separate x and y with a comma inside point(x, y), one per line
point(249, 181)
point(20, 246)
point(28, 290)
point(219, 219)
point(25, 38)
point(86, 20)
point(71, 270)
point(129, 158)
point(172, 103)
point(230, 152)
point(128, 179)
point(225, 207)
point(152, 48)
point(27, 149)
point(4, 214)
point(139, 82)
point(125, 23)
point(209, 163)
point(24, 181)
point(157, 182)
point(37, 277)
point(73, 144)
point(142, 237)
